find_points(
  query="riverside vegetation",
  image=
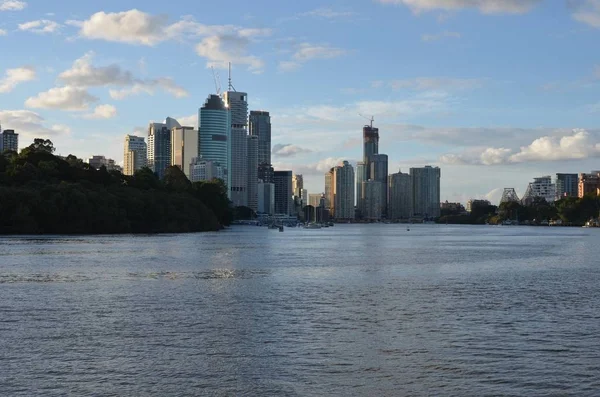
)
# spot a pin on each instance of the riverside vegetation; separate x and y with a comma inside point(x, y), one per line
point(41, 193)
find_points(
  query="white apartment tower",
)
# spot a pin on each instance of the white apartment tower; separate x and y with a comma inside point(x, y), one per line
point(134, 154)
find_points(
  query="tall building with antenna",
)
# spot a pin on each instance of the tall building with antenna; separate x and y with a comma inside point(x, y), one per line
point(237, 104)
point(214, 126)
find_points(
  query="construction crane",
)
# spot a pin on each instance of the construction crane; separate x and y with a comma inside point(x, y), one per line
point(371, 119)
point(217, 80)
point(231, 87)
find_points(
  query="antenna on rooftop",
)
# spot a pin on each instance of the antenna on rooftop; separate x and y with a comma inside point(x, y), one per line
point(371, 119)
point(231, 87)
point(217, 81)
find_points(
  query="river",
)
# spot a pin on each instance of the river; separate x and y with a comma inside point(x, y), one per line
point(353, 310)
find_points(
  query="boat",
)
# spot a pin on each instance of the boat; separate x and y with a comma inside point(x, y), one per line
point(281, 228)
point(312, 226)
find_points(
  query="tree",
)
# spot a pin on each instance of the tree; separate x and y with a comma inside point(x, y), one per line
point(43, 145)
point(175, 180)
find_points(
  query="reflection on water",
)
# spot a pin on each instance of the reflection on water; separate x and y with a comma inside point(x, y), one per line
point(351, 310)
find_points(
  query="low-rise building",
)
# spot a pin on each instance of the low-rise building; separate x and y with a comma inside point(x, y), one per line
point(589, 184)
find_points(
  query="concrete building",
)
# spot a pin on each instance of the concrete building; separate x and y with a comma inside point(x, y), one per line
point(184, 148)
point(205, 170)
point(159, 147)
point(373, 204)
point(134, 158)
point(426, 191)
point(589, 184)
point(379, 173)
point(329, 203)
point(97, 162)
point(343, 192)
point(260, 126)
point(266, 198)
point(214, 130)
point(474, 204)
point(400, 196)
point(370, 146)
point(297, 185)
point(360, 178)
point(315, 199)
point(283, 192)
point(237, 103)
point(567, 185)
point(252, 170)
point(266, 173)
point(540, 187)
point(9, 141)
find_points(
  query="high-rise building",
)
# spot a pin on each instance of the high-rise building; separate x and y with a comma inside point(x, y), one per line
point(379, 173)
point(214, 130)
point(283, 192)
point(237, 103)
point(426, 191)
point(329, 191)
point(360, 178)
point(315, 199)
point(159, 148)
point(134, 154)
point(541, 187)
point(589, 184)
point(297, 185)
point(205, 170)
point(252, 170)
point(184, 148)
point(260, 126)
point(567, 185)
point(373, 199)
point(370, 145)
point(343, 192)
point(266, 173)
point(266, 198)
point(9, 141)
point(400, 196)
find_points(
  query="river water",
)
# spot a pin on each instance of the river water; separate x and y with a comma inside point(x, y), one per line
point(365, 310)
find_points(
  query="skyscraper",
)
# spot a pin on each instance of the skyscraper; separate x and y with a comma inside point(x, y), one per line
point(426, 191)
point(184, 148)
point(260, 126)
point(214, 128)
point(373, 199)
point(297, 185)
point(266, 198)
point(379, 173)
point(237, 103)
point(566, 185)
point(159, 148)
point(399, 196)
point(343, 191)
point(329, 191)
point(360, 178)
point(370, 145)
point(266, 173)
point(9, 141)
point(283, 192)
point(252, 170)
point(134, 154)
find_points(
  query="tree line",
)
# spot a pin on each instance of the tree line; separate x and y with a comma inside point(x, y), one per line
point(41, 193)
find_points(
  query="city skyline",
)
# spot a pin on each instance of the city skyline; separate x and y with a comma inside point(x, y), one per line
point(451, 87)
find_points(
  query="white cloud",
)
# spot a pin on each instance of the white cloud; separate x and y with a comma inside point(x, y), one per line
point(3, 32)
point(84, 74)
point(317, 169)
point(288, 150)
point(588, 12)
point(13, 77)
point(436, 83)
point(12, 5)
point(580, 144)
point(328, 13)
point(440, 36)
point(62, 98)
point(30, 125)
point(149, 87)
point(222, 49)
point(484, 6)
point(305, 52)
point(102, 112)
point(188, 121)
point(41, 26)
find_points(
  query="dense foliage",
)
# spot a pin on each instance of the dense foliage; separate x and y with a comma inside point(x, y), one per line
point(41, 193)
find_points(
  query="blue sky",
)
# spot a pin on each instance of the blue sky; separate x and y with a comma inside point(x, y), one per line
point(494, 92)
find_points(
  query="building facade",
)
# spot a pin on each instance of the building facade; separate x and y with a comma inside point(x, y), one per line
point(205, 170)
point(159, 148)
point(360, 178)
point(283, 192)
point(260, 126)
point(266, 173)
point(379, 173)
point(9, 141)
point(214, 130)
point(252, 170)
point(400, 196)
point(329, 203)
point(426, 191)
point(589, 184)
point(266, 198)
point(343, 192)
point(373, 204)
point(237, 103)
point(474, 204)
point(567, 185)
point(184, 148)
point(314, 200)
point(134, 154)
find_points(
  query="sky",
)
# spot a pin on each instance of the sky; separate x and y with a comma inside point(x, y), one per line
point(494, 92)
